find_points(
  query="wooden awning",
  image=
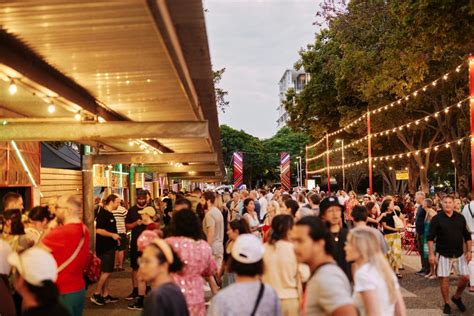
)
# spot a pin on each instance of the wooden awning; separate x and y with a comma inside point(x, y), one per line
point(141, 66)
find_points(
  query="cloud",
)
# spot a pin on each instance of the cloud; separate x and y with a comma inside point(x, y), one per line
point(256, 41)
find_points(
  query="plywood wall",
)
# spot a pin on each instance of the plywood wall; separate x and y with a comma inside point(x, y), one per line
point(57, 182)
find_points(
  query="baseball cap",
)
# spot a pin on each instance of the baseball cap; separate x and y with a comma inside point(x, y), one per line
point(247, 249)
point(328, 202)
point(148, 210)
point(35, 265)
point(141, 193)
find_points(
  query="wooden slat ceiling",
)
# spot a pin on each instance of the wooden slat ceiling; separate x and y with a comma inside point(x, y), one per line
point(109, 47)
point(116, 51)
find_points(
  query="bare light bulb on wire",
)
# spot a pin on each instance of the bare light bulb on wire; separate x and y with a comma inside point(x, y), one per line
point(12, 88)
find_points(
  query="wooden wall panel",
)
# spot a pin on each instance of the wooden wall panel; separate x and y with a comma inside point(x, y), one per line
point(57, 182)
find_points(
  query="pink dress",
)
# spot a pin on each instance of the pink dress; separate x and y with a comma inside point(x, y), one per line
point(198, 263)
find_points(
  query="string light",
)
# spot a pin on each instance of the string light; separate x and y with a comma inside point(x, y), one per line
point(390, 157)
point(391, 130)
point(386, 106)
point(12, 88)
point(51, 108)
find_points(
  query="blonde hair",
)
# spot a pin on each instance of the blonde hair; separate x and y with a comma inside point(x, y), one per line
point(365, 240)
point(276, 206)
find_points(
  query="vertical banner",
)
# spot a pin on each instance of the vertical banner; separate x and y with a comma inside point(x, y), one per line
point(238, 169)
point(285, 170)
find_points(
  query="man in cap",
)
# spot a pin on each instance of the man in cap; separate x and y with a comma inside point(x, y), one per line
point(133, 222)
point(332, 213)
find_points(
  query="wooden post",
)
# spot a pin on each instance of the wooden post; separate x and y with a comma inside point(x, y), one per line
point(306, 167)
point(88, 196)
point(132, 186)
point(471, 110)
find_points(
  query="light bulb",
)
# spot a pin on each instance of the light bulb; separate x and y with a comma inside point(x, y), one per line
point(51, 108)
point(100, 119)
point(12, 88)
point(77, 116)
point(131, 143)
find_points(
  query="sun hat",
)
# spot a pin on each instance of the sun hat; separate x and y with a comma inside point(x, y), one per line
point(247, 249)
point(35, 265)
point(148, 210)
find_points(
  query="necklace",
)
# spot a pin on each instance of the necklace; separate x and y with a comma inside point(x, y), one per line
point(336, 236)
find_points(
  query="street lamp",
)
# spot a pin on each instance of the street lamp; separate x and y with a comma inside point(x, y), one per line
point(343, 166)
point(300, 174)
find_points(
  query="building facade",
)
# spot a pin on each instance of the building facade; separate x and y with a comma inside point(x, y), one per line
point(291, 78)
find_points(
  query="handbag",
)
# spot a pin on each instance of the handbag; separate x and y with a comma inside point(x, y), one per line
point(91, 271)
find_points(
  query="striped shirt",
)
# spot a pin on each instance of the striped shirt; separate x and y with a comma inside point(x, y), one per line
point(119, 215)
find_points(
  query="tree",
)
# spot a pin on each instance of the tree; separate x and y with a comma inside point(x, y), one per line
point(221, 94)
point(374, 52)
point(261, 157)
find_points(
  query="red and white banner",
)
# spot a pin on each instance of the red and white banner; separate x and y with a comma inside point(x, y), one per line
point(238, 169)
point(285, 170)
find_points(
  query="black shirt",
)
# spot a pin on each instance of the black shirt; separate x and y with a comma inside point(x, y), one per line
point(167, 300)
point(340, 254)
point(420, 220)
point(132, 217)
point(53, 310)
point(105, 220)
point(388, 219)
point(449, 233)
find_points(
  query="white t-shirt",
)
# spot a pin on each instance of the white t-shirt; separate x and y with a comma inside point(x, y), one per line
point(368, 278)
point(327, 290)
point(263, 206)
point(5, 250)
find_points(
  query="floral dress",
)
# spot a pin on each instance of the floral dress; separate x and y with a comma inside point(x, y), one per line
point(198, 263)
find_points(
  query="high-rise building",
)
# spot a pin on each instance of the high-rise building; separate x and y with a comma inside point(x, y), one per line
point(291, 78)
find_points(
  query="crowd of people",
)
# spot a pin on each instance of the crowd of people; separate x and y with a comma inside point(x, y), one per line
point(263, 252)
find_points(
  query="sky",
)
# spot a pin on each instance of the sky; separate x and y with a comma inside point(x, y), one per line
point(256, 41)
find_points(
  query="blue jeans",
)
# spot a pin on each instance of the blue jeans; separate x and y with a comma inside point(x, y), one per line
point(74, 302)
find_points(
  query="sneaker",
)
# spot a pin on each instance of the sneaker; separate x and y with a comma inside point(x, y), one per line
point(97, 299)
point(458, 302)
point(132, 295)
point(110, 299)
point(137, 305)
point(447, 309)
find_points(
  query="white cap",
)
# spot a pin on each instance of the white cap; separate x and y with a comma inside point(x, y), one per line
point(35, 265)
point(248, 249)
point(5, 251)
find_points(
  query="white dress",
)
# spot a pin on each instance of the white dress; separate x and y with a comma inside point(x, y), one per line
point(253, 223)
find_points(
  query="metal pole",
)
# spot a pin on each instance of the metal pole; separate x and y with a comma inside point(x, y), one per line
point(328, 163)
point(343, 167)
point(471, 108)
point(369, 149)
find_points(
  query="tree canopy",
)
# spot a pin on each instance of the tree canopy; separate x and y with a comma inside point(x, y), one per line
point(262, 157)
point(372, 53)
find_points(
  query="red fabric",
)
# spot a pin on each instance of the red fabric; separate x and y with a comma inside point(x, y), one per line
point(63, 241)
point(152, 226)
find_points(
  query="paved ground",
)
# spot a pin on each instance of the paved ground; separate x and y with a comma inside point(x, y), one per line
point(422, 296)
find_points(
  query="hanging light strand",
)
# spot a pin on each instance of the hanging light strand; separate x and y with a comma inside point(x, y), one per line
point(398, 156)
point(389, 131)
point(399, 101)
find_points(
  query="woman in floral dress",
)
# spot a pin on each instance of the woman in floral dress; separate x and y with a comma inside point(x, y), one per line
point(196, 254)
